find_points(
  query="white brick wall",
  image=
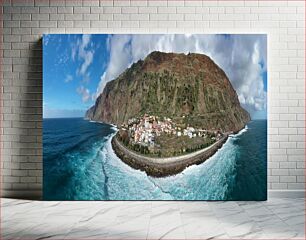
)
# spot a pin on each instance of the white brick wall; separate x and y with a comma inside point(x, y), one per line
point(24, 22)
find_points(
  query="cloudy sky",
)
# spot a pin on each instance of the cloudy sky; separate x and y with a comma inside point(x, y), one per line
point(76, 67)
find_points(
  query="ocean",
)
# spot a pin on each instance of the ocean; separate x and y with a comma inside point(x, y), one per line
point(79, 164)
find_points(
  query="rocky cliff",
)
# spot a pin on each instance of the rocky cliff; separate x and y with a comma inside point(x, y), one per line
point(191, 89)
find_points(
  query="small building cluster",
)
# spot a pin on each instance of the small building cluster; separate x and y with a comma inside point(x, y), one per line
point(144, 130)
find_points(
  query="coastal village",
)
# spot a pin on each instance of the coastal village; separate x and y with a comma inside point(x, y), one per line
point(144, 130)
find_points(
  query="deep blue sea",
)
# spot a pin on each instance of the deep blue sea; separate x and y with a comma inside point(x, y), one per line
point(79, 164)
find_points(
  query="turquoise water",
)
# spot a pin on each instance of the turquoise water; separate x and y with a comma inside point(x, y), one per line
point(79, 164)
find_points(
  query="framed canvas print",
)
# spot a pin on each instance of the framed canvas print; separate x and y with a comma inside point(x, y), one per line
point(155, 117)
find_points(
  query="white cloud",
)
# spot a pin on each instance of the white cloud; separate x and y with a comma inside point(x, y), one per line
point(84, 54)
point(84, 92)
point(46, 39)
point(82, 50)
point(242, 57)
point(68, 78)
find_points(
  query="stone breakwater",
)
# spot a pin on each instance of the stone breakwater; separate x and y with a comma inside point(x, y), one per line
point(162, 167)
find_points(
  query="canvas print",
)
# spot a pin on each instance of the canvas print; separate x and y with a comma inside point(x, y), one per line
point(155, 117)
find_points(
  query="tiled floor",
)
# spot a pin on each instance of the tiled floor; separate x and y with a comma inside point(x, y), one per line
point(274, 219)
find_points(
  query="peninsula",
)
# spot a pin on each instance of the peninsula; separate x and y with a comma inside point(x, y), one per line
point(172, 111)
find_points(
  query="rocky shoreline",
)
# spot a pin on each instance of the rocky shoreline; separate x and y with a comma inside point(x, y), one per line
point(163, 167)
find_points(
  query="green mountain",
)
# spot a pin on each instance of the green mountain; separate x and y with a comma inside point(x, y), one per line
point(191, 89)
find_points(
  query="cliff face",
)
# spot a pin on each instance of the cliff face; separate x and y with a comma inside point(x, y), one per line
point(191, 89)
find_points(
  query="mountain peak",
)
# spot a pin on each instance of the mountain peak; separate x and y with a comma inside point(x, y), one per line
point(190, 88)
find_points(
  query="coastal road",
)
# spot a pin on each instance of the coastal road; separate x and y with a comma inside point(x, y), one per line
point(171, 160)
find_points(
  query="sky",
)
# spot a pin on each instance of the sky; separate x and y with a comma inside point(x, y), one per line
point(76, 67)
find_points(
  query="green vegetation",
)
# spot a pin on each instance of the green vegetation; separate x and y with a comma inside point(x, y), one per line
point(190, 89)
point(168, 145)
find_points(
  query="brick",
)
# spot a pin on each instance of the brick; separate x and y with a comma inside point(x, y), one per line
point(28, 179)
point(47, 24)
point(48, 10)
point(190, 17)
point(105, 17)
point(296, 186)
point(129, 10)
point(229, 17)
point(10, 179)
point(19, 173)
point(63, 24)
point(130, 24)
point(21, 31)
point(81, 9)
point(161, 17)
point(147, 9)
point(185, 9)
point(90, 3)
point(40, 3)
point(57, 17)
point(287, 165)
point(122, 3)
point(176, 17)
point(166, 10)
point(277, 186)
point(82, 24)
point(112, 10)
point(300, 179)
point(280, 172)
point(11, 24)
point(158, 3)
point(219, 24)
point(75, 16)
point(300, 165)
point(273, 179)
point(217, 10)
point(167, 24)
point(29, 10)
point(40, 17)
point(29, 24)
point(11, 10)
point(73, 3)
point(231, 3)
point(185, 24)
point(273, 165)
point(288, 179)
point(202, 10)
point(61, 10)
point(140, 17)
point(148, 24)
point(96, 10)
point(58, 3)
point(21, 16)
point(91, 16)
point(98, 24)
point(139, 3)
point(23, 3)
point(123, 17)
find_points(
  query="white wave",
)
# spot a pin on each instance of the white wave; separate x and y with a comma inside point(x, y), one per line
point(195, 167)
point(114, 159)
point(245, 129)
point(123, 178)
point(209, 180)
point(114, 128)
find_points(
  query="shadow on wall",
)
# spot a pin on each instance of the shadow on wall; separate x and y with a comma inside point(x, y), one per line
point(29, 154)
